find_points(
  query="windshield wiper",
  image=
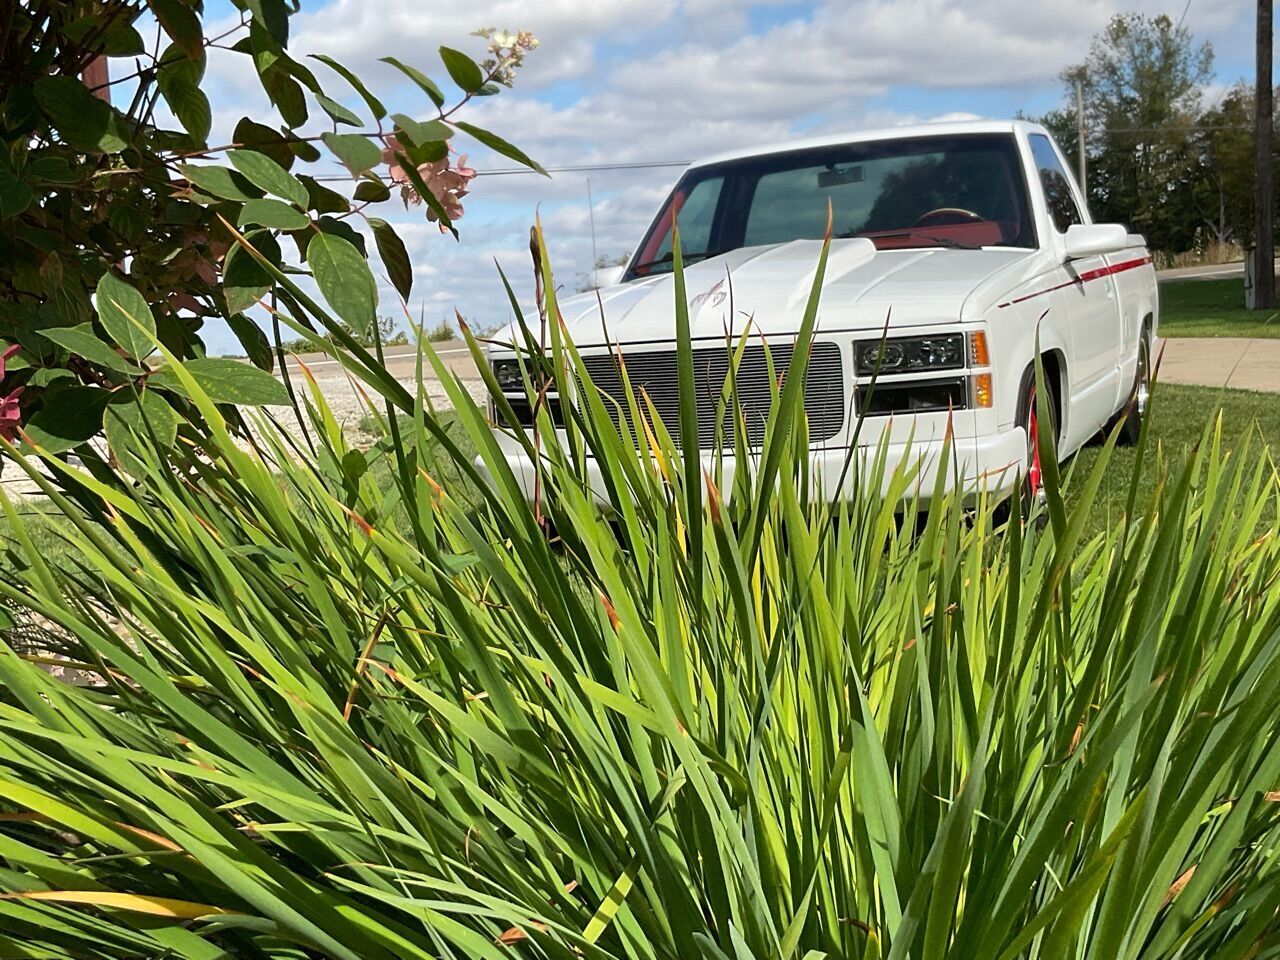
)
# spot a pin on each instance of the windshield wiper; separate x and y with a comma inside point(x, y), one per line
point(685, 257)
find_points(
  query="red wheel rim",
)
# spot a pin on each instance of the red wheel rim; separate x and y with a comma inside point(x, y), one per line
point(1033, 442)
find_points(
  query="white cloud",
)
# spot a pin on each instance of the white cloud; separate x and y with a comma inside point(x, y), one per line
point(675, 80)
point(360, 32)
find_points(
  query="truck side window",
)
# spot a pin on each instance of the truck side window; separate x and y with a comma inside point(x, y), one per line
point(1057, 187)
point(697, 213)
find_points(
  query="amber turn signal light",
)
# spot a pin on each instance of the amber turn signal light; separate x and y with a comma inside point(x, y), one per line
point(978, 355)
point(982, 394)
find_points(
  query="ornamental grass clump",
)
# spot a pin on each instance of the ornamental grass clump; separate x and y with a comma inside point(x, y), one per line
point(363, 704)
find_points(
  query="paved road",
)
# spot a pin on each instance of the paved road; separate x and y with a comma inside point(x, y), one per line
point(401, 361)
point(1214, 272)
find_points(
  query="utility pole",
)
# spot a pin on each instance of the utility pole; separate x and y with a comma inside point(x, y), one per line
point(1084, 192)
point(1264, 275)
point(595, 258)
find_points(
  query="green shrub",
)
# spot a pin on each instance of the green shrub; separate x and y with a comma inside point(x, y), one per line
point(88, 185)
point(703, 724)
point(440, 333)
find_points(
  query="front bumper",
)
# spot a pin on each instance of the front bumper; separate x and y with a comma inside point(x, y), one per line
point(991, 463)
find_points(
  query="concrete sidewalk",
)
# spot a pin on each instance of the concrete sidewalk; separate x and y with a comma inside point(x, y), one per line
point(1236, 362)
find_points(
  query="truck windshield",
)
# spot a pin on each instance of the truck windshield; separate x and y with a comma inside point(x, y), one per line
point(966, 191)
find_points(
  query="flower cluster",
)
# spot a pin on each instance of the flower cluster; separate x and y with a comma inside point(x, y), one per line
point(447, 183)
point(506, 53)
point(10, 411)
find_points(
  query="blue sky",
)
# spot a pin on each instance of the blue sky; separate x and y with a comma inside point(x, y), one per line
point(663, 80)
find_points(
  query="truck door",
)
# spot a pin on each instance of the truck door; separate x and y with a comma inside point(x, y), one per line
point(1093, 309)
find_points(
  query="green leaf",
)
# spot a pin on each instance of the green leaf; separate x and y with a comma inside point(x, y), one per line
point(15, 195)
point(68, 417)
point(495, 142)
point(146, 413)
point(304, 151)
point(254, 340)
point(321, 199)
point(421, 132)
point(81, 119)
point(429, 152)
point(275, 214)
point(52, 170)
point(122, 40)
point(274, 17)
point(244, 280)
point(425, 83)
point(122, 311)
point(129, 221)
point(182, 25)
point(179, 83)
point(83, 342)
point(345, 280)
point(342, 228)
point(257, 136)
point(268, 175)
point(227, 381)
point(394, 256)
point(119, 39)
point(357, 153)
point(220, 181)
point(464, 71)
point(47, 375)
point(286, 93)
point(337, 111)
point(372, 191)
point(373, 103)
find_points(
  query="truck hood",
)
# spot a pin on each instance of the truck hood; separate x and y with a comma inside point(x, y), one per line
point(770, 285)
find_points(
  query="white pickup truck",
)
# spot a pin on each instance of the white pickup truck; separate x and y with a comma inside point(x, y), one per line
point(968, 243)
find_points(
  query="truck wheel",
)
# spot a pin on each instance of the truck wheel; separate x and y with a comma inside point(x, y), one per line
point(1134, 412)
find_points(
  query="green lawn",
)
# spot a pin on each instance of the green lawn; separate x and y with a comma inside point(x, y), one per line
point(1212, 308)
point(1179, 415)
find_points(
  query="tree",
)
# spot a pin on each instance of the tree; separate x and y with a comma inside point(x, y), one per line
point(1223, 182)
point(118, 232)
point(1143, 80)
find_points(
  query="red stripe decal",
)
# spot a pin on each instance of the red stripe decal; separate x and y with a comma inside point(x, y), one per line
point(1096, 274)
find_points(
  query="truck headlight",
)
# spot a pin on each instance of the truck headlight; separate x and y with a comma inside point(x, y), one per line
point(507, 373)
point(938, 351)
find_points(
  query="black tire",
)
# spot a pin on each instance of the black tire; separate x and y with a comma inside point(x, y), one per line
point(1129, 418)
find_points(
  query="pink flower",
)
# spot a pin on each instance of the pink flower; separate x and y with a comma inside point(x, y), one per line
point(10, 411)
point(10, 414)
point(448, 184)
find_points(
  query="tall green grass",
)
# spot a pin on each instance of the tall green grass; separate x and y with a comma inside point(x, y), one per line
point(321, 715)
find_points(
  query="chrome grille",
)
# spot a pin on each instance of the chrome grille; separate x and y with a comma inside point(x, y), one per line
point(657, 373)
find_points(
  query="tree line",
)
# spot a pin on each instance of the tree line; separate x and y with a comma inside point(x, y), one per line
point(1164, 154)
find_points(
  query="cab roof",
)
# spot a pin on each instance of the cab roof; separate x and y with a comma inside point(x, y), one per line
point(942, 129)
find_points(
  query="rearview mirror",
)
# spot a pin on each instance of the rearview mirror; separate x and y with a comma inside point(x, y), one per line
point(1093, 239)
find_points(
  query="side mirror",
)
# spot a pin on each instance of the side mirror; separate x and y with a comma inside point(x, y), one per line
point(608, 276)
point(1092, 239)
